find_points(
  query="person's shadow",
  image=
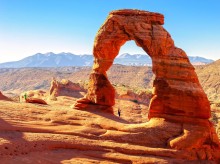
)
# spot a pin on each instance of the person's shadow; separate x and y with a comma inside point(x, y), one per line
point(108, 115)
point(10, 136)
point(14, 147)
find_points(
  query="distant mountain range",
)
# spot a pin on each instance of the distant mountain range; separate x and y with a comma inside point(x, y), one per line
point(17, 80)
point(68, 59)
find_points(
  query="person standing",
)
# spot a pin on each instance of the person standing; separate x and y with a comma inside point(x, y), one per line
point(119, 112)
point(25, 97)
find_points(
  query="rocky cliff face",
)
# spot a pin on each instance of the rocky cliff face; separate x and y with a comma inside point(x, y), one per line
point(209, 76)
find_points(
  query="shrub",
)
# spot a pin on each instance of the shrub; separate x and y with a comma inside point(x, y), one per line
point(217, 104)
point(135, 101)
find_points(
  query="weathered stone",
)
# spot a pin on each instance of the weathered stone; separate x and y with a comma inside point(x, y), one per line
point(3, 97)
point(65, 88)
point(33, 96)
point(176, 86)
point(125, 94)
point(177, 94)
point(36, 101)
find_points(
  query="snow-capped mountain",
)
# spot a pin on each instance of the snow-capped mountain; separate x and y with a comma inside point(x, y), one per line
point(51, 60)
point(63, 59)
point(136, 59)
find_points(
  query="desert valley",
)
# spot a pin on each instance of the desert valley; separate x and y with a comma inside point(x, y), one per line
point(27, 125)
point(164, 111)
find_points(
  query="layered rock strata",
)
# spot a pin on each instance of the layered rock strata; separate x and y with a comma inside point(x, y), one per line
point(176, 87)
point(65, 88)
point(177, 94)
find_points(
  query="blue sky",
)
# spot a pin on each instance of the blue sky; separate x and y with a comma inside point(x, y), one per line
point(31, 26)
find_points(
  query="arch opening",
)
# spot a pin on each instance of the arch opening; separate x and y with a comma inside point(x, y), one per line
point(132, 78)
point(132, 55)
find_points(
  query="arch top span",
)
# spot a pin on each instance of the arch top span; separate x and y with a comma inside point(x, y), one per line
point(151, 17)
point(144, 27)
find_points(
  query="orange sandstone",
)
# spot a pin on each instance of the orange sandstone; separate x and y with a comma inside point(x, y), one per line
point(176, 86)
point(65, 88)
point(3, 97)
point(177, 94)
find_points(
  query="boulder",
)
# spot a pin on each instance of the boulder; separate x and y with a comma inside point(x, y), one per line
point(3, 97)
point(36, 101)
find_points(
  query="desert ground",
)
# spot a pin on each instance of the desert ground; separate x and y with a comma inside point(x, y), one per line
point(55, 133)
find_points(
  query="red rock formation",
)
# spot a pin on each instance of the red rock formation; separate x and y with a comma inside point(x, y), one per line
point(3, 97)
point(33, 96)
point(176, 87)
point(36, 101)
point(177, 94)
point(125, 94)
point(65, 88)
point(55, 134)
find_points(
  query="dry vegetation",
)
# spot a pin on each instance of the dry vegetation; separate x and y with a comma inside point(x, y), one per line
point(18, 80)
point(209, 77)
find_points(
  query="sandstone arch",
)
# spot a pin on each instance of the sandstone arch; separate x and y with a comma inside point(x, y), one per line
point(177, 91)
point(178, 102)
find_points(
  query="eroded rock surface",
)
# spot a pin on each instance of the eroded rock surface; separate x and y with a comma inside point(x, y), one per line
point(32, 133)
point(176, 87)
point(177, 94)
point(65, 88)
point(127, 94)
point(34, 96)
point(3, 97)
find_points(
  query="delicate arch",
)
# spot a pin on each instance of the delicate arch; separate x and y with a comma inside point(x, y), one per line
point(176, 87)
